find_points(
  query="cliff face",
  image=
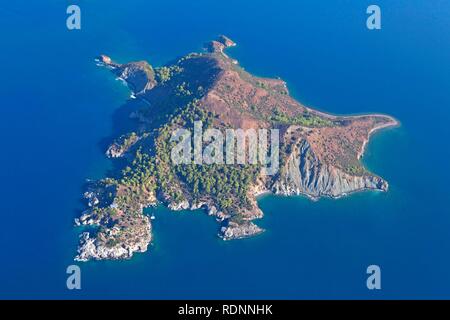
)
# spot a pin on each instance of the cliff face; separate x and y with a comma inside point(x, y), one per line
point(304, 173)
point(139, 75)
point(319, 153)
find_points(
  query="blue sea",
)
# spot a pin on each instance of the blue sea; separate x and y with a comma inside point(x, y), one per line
point(58, 109)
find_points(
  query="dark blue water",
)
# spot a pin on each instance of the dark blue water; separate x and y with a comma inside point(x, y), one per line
point(57, 108)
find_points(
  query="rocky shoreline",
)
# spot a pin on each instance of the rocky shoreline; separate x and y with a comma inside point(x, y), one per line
point(92, 249)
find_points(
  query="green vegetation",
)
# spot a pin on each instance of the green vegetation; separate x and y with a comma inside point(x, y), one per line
point(182, 90)
point(128, 140)
point(164, 74)
point(226, 184)
point(140, 172)
point(356, 170)
point(229, 185)
point(306, 119)
point(262, 85)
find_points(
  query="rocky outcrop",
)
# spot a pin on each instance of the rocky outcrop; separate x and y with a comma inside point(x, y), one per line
point(99, 194)
point(178, 206)
point(104, 247)
point(115, 150)
point(220, 44)
point(234, 230)
point(304, 173)
point(139, 76)
point(88, 218)
point(106, 60)
point(118, 226)
point(122, 145)
point(227, 42)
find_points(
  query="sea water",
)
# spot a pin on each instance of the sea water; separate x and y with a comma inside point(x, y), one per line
point(59, 110)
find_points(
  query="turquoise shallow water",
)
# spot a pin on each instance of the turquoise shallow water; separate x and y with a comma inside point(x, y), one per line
point(57, 108)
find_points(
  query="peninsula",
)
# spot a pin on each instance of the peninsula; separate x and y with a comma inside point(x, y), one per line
point(319, 153)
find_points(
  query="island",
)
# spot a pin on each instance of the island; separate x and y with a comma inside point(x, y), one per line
point(319, 153)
